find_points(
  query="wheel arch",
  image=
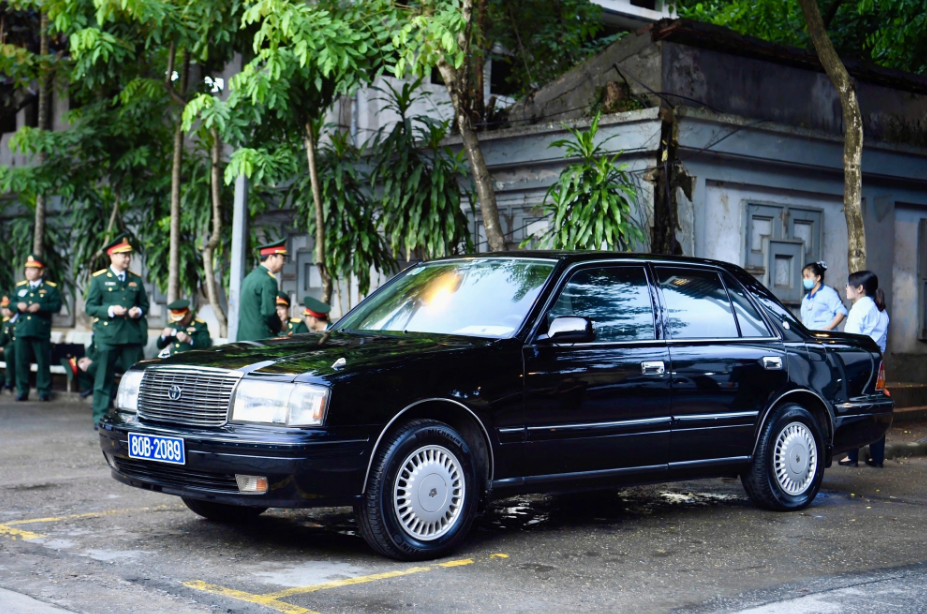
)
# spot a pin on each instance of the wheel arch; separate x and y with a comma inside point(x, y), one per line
point(808, 399)
point(452, 412)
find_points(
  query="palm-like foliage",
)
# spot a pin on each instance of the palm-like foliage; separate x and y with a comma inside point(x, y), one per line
point(591, 205)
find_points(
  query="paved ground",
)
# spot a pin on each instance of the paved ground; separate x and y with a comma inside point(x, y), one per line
point(73, 538)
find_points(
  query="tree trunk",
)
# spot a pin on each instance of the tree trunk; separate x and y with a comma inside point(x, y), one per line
point(457, 83)
point(310, 142)
point(38, 238)
point(173, 267)
point(484, 188)
point(209, 250)
point(853, 133)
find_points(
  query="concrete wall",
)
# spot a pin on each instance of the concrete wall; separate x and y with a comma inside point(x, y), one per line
point(902, 332)
point(788, 95)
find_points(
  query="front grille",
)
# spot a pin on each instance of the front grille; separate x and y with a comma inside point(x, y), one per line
point(179, 477)
point(204, 396)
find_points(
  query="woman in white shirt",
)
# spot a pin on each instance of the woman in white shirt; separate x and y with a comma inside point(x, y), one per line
point(821, 308)
point(867, 317)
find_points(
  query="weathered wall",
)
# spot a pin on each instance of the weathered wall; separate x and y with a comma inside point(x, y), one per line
point(784, 94)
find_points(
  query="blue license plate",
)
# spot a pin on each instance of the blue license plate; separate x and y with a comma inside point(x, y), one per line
point(156, 448)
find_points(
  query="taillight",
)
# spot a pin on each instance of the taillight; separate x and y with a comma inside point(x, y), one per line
point(880, 381)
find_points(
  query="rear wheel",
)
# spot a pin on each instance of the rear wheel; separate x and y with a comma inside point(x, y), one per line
point(422, 495)
point(223, 512)
point(788, 465)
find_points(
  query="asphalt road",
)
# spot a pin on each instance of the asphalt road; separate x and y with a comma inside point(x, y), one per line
point(73, 539)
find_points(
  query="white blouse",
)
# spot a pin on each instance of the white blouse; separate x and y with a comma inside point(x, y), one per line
point(864, 319)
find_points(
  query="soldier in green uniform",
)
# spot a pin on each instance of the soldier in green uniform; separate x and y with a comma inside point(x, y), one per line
point(257, 311)
point(184, 332)
point(291, 326)
point(7, 347)
point(316, 314)
point(37, 301)
point(118, 304)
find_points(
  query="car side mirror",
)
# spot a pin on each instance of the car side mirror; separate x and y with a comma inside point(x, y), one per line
point(570, 329)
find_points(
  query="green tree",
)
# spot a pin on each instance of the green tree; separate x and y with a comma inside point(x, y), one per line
point(305, 57)
point(592, 204)
point(891, 33)
point(419, 182)
point(355, 244)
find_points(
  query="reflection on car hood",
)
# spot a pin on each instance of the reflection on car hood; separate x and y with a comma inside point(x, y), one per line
point(315, 354)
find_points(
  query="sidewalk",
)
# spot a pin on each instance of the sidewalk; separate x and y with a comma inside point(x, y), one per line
point(12, 602)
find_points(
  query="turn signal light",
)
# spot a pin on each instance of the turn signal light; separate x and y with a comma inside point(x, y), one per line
point(880, 381)
point(251, 484)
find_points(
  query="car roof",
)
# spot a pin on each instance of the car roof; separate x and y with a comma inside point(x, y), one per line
point(573, 257)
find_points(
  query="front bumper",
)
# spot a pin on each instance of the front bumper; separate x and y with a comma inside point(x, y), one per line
point(862, 421)
point(318, 467)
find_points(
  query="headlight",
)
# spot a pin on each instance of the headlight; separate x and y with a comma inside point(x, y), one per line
point(276, 403)
point(127, 396)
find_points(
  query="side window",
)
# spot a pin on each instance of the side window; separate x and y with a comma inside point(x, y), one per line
point(616, 299)
point(751, 324)
point(697, 306)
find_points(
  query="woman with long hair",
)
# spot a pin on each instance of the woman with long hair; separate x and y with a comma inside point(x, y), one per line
point(867, 317)
point(821, 308)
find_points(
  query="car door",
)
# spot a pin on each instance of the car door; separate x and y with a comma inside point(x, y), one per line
point(726, 365)
point(601, 406)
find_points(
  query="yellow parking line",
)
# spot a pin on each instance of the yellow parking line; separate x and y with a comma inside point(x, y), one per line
point(8, 531)
point(264, 600)
point(94, 514)
point(300, 590)
point(272, 600)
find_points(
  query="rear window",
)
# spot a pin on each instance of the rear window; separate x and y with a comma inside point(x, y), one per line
point(697, 305)
point(751, 324)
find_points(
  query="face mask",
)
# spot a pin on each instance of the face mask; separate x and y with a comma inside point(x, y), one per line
point(807, 283)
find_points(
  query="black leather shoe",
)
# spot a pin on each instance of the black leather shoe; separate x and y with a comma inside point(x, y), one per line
point(872, 463)
point(86, 393)
point(45, 397)
point(22, 397)
point(848, 463)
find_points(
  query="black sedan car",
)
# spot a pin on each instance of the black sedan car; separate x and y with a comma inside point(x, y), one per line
point(471, 378)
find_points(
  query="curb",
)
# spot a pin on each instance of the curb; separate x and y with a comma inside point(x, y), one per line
point(902, 450)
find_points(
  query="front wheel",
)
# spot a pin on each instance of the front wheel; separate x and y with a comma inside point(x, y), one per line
point(788, 466)
point(223, 512)
point(422, 495)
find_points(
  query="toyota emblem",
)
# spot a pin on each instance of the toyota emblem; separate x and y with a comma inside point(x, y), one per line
point(174, 393)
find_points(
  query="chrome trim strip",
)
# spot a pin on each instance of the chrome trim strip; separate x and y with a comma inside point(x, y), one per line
point(738, 414)
point(730, 460)
point(229, 372)
point(373, 452)
point(867, 403)
point(598, 473)
point(721, 340)
point(596, 425)
point(514, 429)
point(828, 407)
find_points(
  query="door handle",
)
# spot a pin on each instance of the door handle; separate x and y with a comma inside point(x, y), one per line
point(653, 367)
point(772, 363)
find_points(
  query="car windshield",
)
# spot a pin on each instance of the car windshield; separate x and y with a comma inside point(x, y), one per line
point(482, 297)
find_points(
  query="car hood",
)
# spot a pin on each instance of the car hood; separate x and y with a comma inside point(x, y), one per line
point(320, 354)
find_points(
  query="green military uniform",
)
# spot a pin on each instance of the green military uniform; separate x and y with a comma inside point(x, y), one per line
point(7, 339)
point(294, 326)
point(33, 332)
point(196, 329)
point(116, 337)
point(257, 311)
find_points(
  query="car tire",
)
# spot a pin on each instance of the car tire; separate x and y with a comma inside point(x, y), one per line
point(223, 512)
point(788, 465)
point(422, 493)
